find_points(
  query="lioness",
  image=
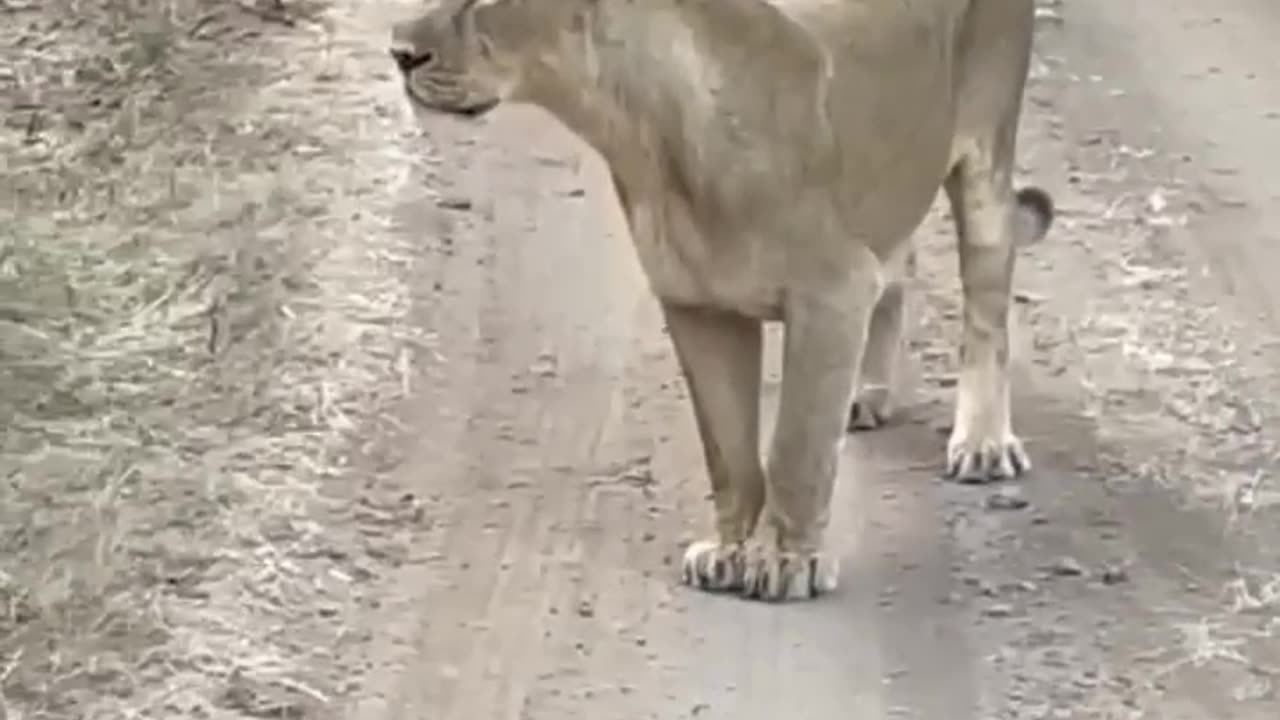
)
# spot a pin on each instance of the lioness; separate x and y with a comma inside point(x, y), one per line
point(773, 158)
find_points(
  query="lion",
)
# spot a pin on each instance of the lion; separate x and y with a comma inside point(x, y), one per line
point(773, 158)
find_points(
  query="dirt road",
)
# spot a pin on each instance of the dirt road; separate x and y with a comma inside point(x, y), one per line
point(273, 534)
point(1133, 576)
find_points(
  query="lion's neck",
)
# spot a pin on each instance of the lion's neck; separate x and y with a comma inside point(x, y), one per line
point(640, 82)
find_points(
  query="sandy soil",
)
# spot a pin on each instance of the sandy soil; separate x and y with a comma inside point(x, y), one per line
point(481, 516)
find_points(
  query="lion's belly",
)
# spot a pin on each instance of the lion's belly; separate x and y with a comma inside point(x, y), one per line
point(804, 243)
point(747, 253)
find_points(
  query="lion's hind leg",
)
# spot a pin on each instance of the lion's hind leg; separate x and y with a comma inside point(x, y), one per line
point(988, 216)
point(874, 400)
point(994, 54)
point(720, 356)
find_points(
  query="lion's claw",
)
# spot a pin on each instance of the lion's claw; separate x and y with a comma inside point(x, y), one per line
point(710, 565)
point(773, 575)
point(986, 462)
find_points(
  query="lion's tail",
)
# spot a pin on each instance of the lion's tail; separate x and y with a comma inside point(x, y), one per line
point(1034, 215)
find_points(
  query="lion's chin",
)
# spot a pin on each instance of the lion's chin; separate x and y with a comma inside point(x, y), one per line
point(470, 110)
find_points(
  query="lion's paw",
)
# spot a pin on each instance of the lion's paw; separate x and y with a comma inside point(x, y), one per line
point(773, 575)
point(872, 407)
point(977, 460)
point(710, 565)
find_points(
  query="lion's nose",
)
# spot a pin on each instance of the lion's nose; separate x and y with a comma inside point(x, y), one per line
point(408, 60)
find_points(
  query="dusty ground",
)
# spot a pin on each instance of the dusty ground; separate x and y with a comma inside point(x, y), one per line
point(312, 413)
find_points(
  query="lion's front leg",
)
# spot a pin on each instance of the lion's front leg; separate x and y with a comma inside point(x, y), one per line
point(824, 341)
point(720, 356)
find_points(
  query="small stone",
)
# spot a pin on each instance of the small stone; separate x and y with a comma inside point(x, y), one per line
point(998, 610)
point(1114, 575)
point(944, 380)
point(1066, 567)
point(454, 202)
point(1007, 498)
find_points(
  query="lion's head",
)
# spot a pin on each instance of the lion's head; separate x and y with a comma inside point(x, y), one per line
point(464, 57)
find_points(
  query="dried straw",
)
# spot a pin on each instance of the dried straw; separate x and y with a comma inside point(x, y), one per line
point(195, 323)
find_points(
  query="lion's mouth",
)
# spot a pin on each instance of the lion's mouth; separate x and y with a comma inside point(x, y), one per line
point(469, 110)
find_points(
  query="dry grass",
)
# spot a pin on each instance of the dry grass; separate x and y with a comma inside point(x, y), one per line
point(178, 376)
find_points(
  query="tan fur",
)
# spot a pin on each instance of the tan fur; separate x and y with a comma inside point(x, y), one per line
point(773, 158)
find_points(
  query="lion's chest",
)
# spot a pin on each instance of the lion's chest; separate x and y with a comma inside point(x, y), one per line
point(730, 269)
